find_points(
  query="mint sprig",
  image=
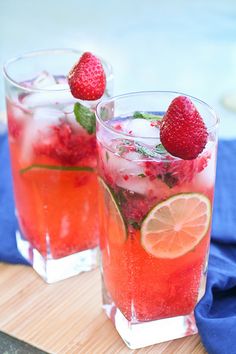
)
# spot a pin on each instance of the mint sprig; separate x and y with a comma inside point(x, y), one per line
point(154, 152)
point(160, 149)
point(85, 118)
point(58, 168)
point(144, 150)
point(169, 179)
point(148, 116)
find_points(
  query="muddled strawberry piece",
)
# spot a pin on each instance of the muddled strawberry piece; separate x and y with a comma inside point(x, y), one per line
point(66, 145)
point(175, 172)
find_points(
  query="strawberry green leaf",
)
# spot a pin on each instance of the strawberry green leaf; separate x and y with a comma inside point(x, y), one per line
point(85, 118)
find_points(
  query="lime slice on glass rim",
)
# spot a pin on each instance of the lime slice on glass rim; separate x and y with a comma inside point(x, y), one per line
point(116, 228)
point(175, 226)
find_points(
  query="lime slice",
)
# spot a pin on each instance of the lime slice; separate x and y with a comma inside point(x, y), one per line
point(176, 225)
point(112, 217)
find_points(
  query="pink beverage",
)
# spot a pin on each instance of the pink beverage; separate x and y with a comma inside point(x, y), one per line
point(155, 219)
point(53, 165)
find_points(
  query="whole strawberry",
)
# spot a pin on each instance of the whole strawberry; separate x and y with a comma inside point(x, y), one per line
point(87, 78)
point(183, 132)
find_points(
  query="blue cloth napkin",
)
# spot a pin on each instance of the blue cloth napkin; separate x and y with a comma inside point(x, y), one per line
point(216, 312)
point(8, 223)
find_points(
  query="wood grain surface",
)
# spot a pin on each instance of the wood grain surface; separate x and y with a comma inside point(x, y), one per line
point(66, 317)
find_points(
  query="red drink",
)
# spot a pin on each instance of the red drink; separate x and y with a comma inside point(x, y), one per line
point(55, 202)
point(54, 173)
point(155, 217)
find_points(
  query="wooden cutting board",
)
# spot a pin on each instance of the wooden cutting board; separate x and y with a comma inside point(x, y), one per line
point(66, 317)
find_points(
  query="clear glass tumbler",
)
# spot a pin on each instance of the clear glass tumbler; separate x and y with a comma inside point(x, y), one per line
point(155, 215)
point(53, 164)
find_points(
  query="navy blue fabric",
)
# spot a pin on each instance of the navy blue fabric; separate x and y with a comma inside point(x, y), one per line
point(8, 223)
point(216, 312)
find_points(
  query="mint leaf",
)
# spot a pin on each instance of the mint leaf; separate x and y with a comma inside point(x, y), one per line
point(169, 179)
point(85, 118)
point(135, 224)
point(155, 152)
point(147, 116)
point(120, 197)
point(58, 168)
point(124, 146)
point(160, 149)
point(145, 151)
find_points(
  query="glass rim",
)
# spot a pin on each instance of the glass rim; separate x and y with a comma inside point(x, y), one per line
point(53, 51)
point(141, 93)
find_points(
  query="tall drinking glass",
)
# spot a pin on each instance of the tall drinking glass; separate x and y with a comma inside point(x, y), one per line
point(155, 219)
point(53, 164)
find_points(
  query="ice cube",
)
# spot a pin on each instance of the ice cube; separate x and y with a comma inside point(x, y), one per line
point(133, 156)
point(70, 117)
point(128, 172)
point(206, 177)
point(47, 116)
point(42, 120)
point(18, 112)
point(43, 80)
point(69, 109)
point(144, 128)
point(118, 165)
point(30, 136)
point(136, 184)
point(69, 114)
point(57, 95)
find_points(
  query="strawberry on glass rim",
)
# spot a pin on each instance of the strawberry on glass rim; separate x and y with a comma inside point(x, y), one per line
point(87, 81)
point(183, 132)
point(87, 78)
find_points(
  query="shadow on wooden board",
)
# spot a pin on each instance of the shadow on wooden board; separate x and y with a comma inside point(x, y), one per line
point(11, 345)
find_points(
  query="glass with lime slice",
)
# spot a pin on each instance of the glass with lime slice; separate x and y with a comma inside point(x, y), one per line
point(155, 212)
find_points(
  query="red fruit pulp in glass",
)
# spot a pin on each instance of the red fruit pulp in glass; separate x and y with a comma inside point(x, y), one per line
point(142, 286)
point(57, 210)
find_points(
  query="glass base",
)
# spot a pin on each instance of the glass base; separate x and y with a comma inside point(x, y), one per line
point(53, 270)
point(142, 334)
